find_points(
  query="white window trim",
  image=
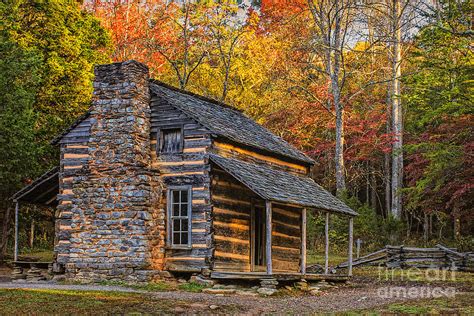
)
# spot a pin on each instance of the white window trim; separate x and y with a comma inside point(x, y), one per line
point(169, 201)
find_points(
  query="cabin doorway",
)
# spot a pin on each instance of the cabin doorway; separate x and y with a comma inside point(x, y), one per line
point(258, 229)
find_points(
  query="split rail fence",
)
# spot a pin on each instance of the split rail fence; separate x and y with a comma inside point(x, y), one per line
point(439, 257)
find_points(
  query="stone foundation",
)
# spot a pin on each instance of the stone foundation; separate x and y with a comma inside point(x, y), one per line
point(117, 226)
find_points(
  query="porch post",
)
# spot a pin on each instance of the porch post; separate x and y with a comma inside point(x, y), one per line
point(15, 254)
point(268, 239)
point(351, 242)
point(326, 243)
point(303, 241)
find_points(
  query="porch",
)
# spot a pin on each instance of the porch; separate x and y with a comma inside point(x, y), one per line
point(41, 193)
point(260, 222)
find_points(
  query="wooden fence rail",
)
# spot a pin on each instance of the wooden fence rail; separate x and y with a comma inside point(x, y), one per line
point(439, 257)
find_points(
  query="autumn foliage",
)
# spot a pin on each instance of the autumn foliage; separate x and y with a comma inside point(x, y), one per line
point(268, 59)
point(263, 56)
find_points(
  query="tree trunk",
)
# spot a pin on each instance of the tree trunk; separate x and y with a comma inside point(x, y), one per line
point(457, 224)
point(373, 189)
point(5, 233)
point(32, 233)
point(397, 122)
point(426, 227)
point(339, 159)
point(386, 164)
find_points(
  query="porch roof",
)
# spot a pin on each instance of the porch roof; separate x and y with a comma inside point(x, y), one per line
point(280, 186)
point(43, 190)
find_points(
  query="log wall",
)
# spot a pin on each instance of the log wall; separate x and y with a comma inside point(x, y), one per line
point(188, 168)
point(286, 238)
point(232, 204)
point(79, 134)
point(74, 156)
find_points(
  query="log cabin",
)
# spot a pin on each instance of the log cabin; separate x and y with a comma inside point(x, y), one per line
point(154, 179)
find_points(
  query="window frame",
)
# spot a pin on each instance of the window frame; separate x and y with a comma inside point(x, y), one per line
point(170, 217)
point(160, 139)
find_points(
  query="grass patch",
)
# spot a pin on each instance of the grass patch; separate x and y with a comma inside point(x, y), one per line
point(154, 287)
point(334, 259)
point(461, 304)
point(75, 302)
point(192, 287)
point(43, 255)
point(157, 286)
point(59, 302)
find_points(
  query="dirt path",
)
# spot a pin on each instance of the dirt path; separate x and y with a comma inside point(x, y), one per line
point(335, 300)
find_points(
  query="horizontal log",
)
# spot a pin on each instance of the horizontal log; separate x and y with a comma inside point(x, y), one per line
point(188, 252)
point(450, 251)
point(364, 261)
point(230, 232)
point(219, 238)
point(198, 179)
point(237, 217)
point(74, 140)
point(286, 224)
point(186, 266)
point(285, 242)
point(182, 169)
point(222, 246)
point(287, 213)
point(84, 150)
point(180, 157)
point(239, 226)
point(284, 265)
point(194, 150)
point(287, 249)
point(286, 230)
point(264, 158)
point(184, 173)
point(231, 266)
point(180, 163)
point(285, 255)
point(195, 143)
point(74, 162)
point(235, 256)
point(202, 226)
point(231, 213)
point(228, 200)
point(75, 146)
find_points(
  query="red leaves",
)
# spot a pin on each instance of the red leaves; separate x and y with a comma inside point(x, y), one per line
point(441, 164)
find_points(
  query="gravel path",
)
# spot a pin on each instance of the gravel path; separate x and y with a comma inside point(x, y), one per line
point(335, 300)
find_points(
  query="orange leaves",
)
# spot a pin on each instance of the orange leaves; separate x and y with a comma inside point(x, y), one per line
point(132, 23)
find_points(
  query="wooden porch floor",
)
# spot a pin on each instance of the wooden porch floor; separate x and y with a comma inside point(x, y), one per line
point(279, 276)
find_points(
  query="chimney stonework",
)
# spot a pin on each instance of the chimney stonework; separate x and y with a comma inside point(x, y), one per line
point(116, 219)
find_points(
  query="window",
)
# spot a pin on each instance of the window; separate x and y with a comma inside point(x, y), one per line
point(171, 141)
point(179, 217)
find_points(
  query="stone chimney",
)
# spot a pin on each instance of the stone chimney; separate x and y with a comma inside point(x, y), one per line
point(113, 206)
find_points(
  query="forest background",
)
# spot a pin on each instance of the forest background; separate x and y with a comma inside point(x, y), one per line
point(378, 92)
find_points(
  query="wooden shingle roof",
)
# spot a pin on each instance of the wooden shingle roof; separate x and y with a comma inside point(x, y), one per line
point(281, 186)
point(42, 190)
point(227, 122)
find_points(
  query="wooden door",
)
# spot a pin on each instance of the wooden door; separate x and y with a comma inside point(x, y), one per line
point(258, 229)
